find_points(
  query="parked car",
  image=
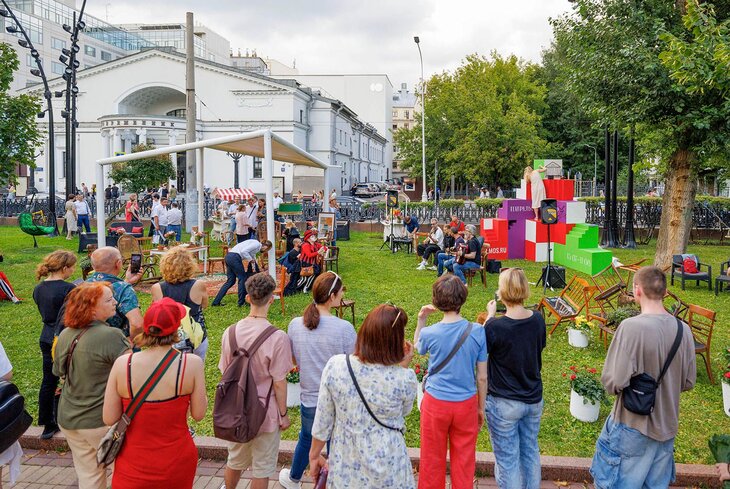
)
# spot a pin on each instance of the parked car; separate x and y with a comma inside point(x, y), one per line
point(380, 187)
point(364, 190)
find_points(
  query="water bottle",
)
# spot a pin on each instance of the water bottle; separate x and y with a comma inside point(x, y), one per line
point(322, 480)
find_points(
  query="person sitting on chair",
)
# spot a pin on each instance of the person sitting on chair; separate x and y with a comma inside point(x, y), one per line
point(446, 260)
point(240, 265)
point(468, 257)
point(310, 256)
point(457, 223)
point(431, 246)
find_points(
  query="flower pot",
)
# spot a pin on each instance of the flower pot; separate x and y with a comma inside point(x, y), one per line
point(419, 397)
point(583, 412)
point(577, 338)
point(726, 398)
point(293, 391)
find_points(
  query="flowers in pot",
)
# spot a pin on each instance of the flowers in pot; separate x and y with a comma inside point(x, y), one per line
point(579, 332)
point(293, 389)
point(726, 383)
point(170, 237)
point(586, 393)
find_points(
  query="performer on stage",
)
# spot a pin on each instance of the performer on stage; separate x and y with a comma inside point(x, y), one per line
point(537, 187)
point(433, 243)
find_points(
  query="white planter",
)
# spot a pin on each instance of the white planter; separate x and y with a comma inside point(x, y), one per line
point(583, 412)
point(726, 397)
point(577, 338)
point(419, 398)
point(293, 391)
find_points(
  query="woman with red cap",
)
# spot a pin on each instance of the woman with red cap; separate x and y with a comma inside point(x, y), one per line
point(158, 450)
point(310, 256)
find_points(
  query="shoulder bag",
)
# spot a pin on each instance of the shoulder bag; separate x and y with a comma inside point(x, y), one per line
point(114, 439)
point(442, 365)
point(402, 431)
point(639, 397)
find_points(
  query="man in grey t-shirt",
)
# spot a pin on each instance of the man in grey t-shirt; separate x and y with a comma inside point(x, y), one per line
point(634, 450)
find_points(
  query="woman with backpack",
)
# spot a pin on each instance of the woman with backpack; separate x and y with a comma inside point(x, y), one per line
point(316, 337)
point(49, 296)
point(368, 449)
point(158, 450)
point(452, 410)
point(85, 352)
point(177, 268)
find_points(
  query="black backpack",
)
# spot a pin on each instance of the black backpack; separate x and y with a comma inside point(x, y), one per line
point(14, 419)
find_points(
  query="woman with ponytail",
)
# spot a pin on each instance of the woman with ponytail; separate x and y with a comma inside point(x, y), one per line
point(49, 296)
point(316, 337)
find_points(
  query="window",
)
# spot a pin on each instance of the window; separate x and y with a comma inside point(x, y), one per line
point(408, 114)
point(29, 61)
point(301, 116)
point(395, 114)
point(57, 68)
point(407, 126)
point(176, 113)
point(395, 126)
point(90, 51)
point(257, 168)
point(58, 44)
point(106, 56)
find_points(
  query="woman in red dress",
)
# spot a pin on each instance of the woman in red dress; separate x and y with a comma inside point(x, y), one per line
point(310, 256)
point(131, 209)
point(158, 450)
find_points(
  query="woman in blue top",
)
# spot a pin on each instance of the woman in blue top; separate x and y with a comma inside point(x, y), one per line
point(452, 411)
point(514, 403)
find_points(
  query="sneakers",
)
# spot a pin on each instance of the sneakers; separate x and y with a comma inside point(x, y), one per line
point(421, 266)
point(286, 481)
point(432, 268)
point(48, 431)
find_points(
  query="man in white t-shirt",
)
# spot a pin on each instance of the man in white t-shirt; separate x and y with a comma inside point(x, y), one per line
point(174, 221)
point(252, 210)
point(82, 212)
point(155, 203)
point(160, 218)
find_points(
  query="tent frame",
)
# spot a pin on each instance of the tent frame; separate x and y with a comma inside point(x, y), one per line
point(263, 142)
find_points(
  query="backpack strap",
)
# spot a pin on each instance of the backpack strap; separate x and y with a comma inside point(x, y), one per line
point(452, 353)
point(251, 350)
point(362, 398)
point(70, 354)
point(672, 352)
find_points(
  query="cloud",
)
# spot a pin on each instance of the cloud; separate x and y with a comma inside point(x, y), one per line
point(331, 36)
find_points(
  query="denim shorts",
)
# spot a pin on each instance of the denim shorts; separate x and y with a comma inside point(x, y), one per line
point(626, 458)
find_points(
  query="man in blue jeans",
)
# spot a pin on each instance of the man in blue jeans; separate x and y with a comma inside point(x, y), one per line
point(472, 254)
point(636, 450)
point(445, 261)
point(240, 265)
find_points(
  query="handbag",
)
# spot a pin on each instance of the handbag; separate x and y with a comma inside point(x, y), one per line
point(440, 367)
point(306, 272)
point(402, 431)
point(640, 396)
point(113, 440)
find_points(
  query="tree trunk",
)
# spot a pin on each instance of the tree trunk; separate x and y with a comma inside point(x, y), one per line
point(677, 205)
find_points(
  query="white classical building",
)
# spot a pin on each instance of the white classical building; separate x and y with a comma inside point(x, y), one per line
point(141, 98)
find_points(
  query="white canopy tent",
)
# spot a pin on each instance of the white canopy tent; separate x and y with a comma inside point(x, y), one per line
point(262, 143)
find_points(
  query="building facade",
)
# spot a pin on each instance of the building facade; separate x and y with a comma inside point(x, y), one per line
point(141, 98)
point(404, 117)
point(209, 45)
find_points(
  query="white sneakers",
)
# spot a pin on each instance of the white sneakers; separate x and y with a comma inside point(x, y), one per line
point(433, 268)
point(286, 482)
point(421, 266)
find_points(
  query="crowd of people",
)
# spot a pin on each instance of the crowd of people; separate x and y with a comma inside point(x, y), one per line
point(103, 358)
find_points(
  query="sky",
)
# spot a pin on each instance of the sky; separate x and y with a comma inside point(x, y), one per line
point(373, 36)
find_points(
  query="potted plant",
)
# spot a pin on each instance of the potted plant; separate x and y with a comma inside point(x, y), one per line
point(586, 393)
point(170, 238)
point(579, 332)
point(420, 367)
point(293, 389)
point(726, 383)
point(619, 314)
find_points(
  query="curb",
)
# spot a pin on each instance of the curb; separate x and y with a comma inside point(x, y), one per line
point(569, 469)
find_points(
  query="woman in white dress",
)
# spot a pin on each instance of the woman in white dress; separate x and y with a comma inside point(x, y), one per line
point(70, 216)
point(367, 453)
point(13, 455)
point(538, 188)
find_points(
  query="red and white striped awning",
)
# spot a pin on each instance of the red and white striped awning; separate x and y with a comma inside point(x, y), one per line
point(233, 193)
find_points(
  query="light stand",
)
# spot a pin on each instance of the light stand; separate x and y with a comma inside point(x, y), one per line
point(7, 12)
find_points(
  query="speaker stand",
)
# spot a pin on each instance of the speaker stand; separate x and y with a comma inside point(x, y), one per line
point(546, 271)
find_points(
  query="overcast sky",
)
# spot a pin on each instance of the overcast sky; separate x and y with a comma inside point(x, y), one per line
point(372, 36)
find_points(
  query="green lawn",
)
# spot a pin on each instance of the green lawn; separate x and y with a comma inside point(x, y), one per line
point(373, 277)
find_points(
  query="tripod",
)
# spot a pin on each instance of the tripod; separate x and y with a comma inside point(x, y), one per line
point(546, 279)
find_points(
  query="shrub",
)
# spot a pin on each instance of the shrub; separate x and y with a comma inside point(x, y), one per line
point(621, 313)
point(484, 203)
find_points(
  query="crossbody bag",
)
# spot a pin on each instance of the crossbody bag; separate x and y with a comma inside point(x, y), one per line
point(639, 397)
point(402, 431)
point(112, 442)
point(452, 353)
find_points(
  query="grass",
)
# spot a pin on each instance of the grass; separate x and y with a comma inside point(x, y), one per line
point(373, 277)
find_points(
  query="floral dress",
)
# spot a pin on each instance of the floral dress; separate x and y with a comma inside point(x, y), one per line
point(364, 454)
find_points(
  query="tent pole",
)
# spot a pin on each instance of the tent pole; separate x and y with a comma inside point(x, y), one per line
point(100, 215)
point(326, 199)
point(268, 178)
point(201, 194)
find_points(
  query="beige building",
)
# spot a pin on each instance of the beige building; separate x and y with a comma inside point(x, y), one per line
point(405, 105)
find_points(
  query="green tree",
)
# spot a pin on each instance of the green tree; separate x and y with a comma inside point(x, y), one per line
point(137, 175)
point(483, 122)
point(20, 138)
point(612, 56)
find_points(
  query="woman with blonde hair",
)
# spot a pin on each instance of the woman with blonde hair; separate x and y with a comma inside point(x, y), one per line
point(160, 425)
point(514, 384)
point(70, 216)
point(85, 352)
point(49, 296)
point(537, 187)
point(131, 209)
point(177, 268)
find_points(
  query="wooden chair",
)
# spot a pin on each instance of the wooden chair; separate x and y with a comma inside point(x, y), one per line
point(675, 306)
point(701, 276)
point(127, 245)
point(283, 279)
point(702, 322)
point(212, 261)
point(344, 304)
point(609, 286)
point(573, 299)
point(332, 259)
point(482, 270)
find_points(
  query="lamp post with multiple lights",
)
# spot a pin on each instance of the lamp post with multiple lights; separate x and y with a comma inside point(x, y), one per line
point(424, 193)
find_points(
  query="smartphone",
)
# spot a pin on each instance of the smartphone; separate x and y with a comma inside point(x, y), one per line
point(322, 479)
point(135, 263)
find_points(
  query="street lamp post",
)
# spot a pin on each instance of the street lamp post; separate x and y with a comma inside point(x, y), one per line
point(28, 44)
point(236, 158)
point(595, 166)
point(424, 194)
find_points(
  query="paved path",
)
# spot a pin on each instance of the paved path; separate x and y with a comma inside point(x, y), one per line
point(51, 470)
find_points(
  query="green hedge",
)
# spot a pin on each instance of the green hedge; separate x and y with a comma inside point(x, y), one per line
point(722, 202)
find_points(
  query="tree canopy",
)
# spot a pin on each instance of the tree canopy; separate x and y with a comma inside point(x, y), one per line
point(20, 138)
point(137, 175)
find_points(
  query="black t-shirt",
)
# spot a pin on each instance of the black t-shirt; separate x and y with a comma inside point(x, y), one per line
point(49, 296)
point(515, 357)
point(475, 247)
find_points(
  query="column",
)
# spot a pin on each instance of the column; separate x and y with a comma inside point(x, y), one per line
point(142, 136)
point(117, 144)
point(106, 153)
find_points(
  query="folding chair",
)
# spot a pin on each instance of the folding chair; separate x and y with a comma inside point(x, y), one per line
point(573, 299)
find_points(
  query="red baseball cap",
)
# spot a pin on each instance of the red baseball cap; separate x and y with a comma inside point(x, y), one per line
point(164, 314)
